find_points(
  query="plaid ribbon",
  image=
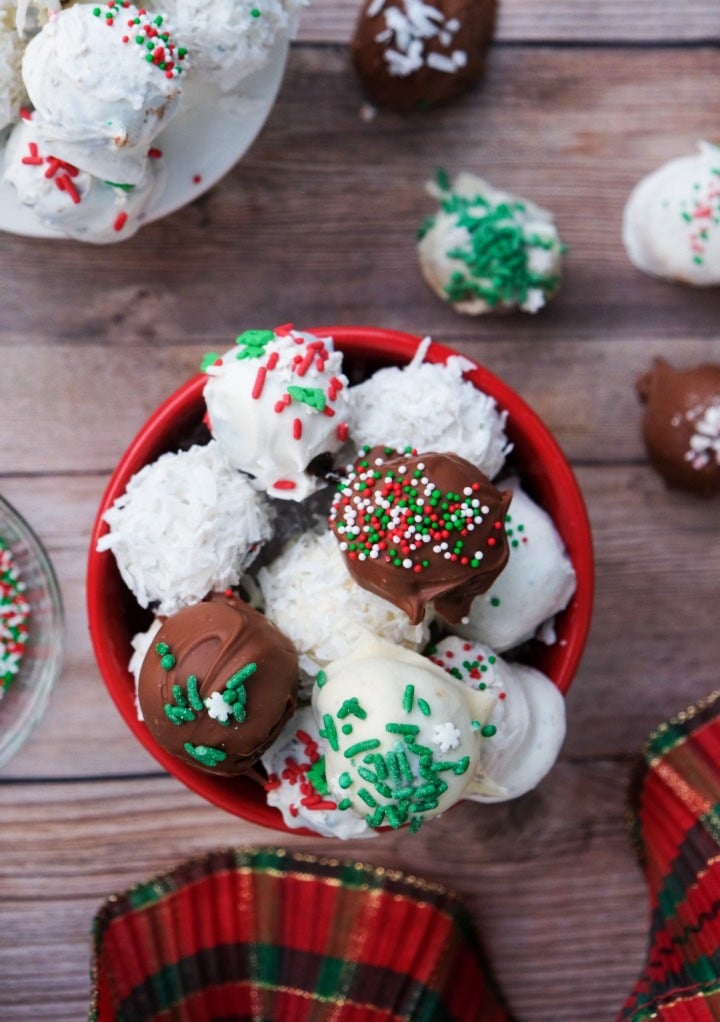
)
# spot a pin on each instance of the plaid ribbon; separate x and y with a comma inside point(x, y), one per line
point(675, 797)
point(266, 934)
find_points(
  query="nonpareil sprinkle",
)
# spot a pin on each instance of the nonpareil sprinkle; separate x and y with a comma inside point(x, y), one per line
point(14, 613)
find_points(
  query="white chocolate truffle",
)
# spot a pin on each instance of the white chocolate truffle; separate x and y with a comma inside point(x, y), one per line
point(528, 719)
point(297, 785)
point(141, 643)
point(487, 250)
point(430, 407)
point(537, 582)
point(70, 201)
point(230, 39)
point(671, 221)
point(188, 524)
point(100, 95)
point(311, 597)
point(276, 402)
point(404, 738)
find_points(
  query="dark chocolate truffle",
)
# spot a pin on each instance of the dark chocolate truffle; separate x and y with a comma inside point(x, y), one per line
point(412, 54)
point(218, 684)
point(681, 425)
point(420, 527)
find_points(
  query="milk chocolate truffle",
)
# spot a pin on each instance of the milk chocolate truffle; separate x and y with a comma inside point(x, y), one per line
point(681, 425)
point(413, 54)
point(218, 684)
point(420, 527)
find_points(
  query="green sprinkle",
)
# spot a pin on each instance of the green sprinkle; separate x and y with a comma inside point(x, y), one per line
point(442, 179)
point(320, 678)
point(330, 733)
point(402, 729)
point(347, 729)
point(367, 798)
point(193, 694)
point(424, 707)
point(461, 765)
point(167, 662)
point(208, 360)
point(366, 746)
point(205, 754)
point(415, 824)
point(351, 706)
point(239, 712)
point(345, 803)
point(179, 696)
point(408, 696)
point(488, 730)
point(345, 780)
point(375, 819)
point(240, 676)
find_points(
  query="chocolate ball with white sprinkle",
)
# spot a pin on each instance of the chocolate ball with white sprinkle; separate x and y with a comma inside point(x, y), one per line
point(414, 54)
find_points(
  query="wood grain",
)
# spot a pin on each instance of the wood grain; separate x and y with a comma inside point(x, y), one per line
point(577, 21)
point(317, 225)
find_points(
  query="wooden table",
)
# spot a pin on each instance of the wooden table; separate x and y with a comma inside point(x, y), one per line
point(317, 225)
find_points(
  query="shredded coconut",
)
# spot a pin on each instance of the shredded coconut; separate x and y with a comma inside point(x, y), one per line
point(187, 524)
point(430, 407)
point(311, 597)
point(705, 441)
point(408, 28)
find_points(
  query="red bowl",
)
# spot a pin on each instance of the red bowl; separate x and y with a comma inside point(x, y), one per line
point(114, 616)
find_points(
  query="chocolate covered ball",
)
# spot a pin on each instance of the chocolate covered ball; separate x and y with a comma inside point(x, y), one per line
point(217, 684)
point(681, 425)
point(420, 527)
point(411, 55)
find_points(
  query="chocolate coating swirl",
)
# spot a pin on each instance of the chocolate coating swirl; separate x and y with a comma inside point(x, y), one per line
point(218, 684)
point(415, 528)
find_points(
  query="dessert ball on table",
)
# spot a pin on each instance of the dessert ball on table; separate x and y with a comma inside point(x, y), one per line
point(486, 250)
point(430, 406)
point(230, 39)
point(311, 596)
point(187, 524)
point(537, 582)
point(403, 738)
point(671, 223)
point(416, 528)
point(218, 684)
point(297, 784)
point(104, 80)
point(414, 54)
point(71, 201)
point(681, 425)
point(526, 727)
point(276, 403)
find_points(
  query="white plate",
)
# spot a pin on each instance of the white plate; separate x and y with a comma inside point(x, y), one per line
point(209, 134)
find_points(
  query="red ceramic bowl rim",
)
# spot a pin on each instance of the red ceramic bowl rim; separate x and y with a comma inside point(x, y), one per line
point(391, 346)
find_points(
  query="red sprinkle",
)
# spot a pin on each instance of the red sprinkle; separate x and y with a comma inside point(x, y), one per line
point(297, 429)
point(120, 221)
point(272, 360)
point(259, 383)
point(284, 484)
point(343, 432)
point(283, 330)
point(155, 154)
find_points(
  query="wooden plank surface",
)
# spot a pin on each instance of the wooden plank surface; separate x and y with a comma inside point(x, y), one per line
point(317, 225)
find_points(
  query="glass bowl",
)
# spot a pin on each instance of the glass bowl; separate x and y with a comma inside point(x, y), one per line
point(114, 616)
point(24, 701)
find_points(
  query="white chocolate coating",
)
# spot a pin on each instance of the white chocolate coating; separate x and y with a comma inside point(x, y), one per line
point(430, 407)
point(404, 738)
point(670, 222)
point(292, 782)
point(71, 201)
point(186, 525)
point(529, 715)
point(230, 39)
point(537, 582)
point(275, 403)
point(488, 250)
point(312, 598)
point(99, 103)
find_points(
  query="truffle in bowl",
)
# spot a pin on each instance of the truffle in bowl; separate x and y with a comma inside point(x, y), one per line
point(533, 457)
